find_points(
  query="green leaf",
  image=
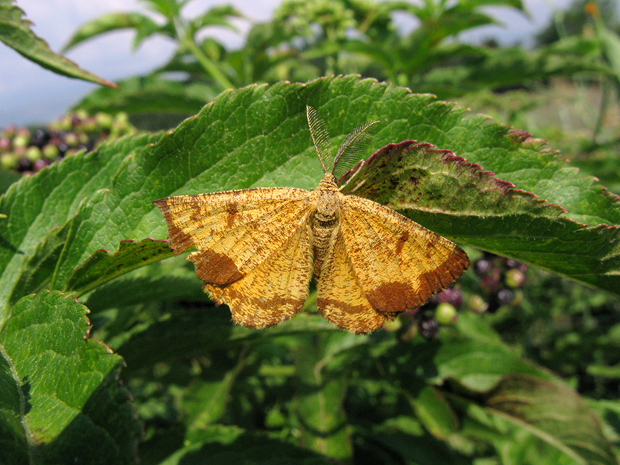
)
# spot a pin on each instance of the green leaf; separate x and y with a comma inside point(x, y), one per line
point(6, 179)
point(103, 267)
point(405, 438)
point(434, 412)
point(170, 280)
point(219, 15)
point(610, 43)
point(320, 394)
point(493, 68)
point(16, 33)
point(550, 410)
point(59, 389)
point(469, 365)
point(198, 333)
point(115, 21)
point(36, 205)
point(258, 136)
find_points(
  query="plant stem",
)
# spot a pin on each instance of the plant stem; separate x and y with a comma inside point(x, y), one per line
point(208, 65)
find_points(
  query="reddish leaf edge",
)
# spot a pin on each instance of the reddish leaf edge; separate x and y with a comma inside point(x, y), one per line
point(477, 172)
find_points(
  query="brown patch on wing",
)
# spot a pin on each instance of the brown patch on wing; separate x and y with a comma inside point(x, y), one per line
point(399, 264)
point(215, 268)
point(275, 290)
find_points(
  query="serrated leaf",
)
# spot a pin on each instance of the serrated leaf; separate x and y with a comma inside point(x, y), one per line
point(59, 389)
point(16, 33)
point(102, 267)
point(258, 136)
point(37, 204)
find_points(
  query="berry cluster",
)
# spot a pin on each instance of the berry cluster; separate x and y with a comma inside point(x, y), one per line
point(30, 150)
point(500, 282)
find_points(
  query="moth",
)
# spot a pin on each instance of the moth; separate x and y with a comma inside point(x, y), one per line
point(257, 249)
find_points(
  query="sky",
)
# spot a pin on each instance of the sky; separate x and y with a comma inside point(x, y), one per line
point(30, 94)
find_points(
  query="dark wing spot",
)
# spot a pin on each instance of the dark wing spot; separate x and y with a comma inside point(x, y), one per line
point(215, 268)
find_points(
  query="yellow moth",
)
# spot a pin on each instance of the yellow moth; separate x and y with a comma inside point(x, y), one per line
point(257, 249)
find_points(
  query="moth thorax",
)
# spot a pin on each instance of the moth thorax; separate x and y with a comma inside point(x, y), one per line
point(327, 205)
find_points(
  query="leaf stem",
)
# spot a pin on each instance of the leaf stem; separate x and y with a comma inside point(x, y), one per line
point(208, 65)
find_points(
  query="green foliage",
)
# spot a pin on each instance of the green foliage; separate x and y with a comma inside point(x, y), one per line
point(302, 391)
point(306, 40)
point(184, 32)
point(532, 380)
point(60, 395)
point(16, 33)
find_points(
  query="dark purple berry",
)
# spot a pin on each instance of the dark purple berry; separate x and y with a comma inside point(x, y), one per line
point(490, 283)
point(483, 266)
point(24, 164)
point(451, 296)
point(505, 296)
point(428, 327)
point(40, 137)
point(62, 147)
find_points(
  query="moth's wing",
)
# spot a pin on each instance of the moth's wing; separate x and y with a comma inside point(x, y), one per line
point(276, 289)
point(233, 231)
point(254, 251)
point(399, 264)
point(340, 297)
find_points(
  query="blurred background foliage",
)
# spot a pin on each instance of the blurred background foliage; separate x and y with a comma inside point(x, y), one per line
point(564, 89)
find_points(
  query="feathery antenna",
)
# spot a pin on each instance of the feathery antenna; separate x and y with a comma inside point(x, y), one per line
point(320, 136)
point(350, 150)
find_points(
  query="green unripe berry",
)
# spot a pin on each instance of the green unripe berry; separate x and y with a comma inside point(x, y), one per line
point(478, 304)
point(445, 313)
point(514, 278)
point(393, 325)
point(104, 120)
point(33, 153)
point(50, 152)
point(8, 161)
